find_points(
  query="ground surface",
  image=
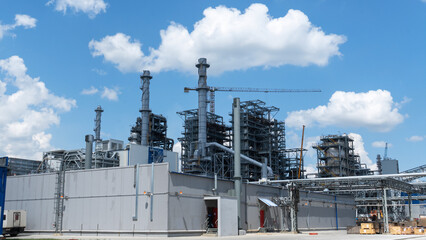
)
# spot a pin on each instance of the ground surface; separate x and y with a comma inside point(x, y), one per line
point(322, 235)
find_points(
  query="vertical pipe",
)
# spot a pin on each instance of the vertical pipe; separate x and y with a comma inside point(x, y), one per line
point(145, 78)
point(89, 150)
point(97, 129)
point(385, 211)
point(337, 217)
point(152, 192)
point(136, 185)
point(237, 157)
point(202, 105)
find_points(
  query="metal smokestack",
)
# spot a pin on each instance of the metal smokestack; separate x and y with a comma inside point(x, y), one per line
point(202, 105)
point(145, 78)
point(89, 150)
point(97, 129)
point(237, 156)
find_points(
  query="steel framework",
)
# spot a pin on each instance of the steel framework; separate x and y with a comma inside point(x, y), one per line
point(262, 139)
point(336, 158)
point(217, 161)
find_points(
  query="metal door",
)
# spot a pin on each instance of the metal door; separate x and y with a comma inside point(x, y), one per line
point(16, 219)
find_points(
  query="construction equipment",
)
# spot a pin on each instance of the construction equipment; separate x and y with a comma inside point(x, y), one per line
point(301, 152)
point(241, 89)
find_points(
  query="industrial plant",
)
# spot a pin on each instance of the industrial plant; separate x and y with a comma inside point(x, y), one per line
point(230, 178)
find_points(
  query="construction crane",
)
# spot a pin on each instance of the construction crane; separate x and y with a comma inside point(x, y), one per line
point(240, 89)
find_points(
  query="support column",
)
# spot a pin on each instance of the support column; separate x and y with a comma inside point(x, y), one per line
point(385, 211)
point(409, 207)
point(294, 196)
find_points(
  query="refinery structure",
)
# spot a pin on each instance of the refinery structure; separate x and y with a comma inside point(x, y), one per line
point(231, 176)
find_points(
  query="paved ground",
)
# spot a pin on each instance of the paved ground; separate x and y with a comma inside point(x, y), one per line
point(322, 235)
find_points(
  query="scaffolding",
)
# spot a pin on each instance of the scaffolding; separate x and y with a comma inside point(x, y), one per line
point(262, 139)
point(336, 157)
point(157, 132)
point(216, 161)
point(292, 164)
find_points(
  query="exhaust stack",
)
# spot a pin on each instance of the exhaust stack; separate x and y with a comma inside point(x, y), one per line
point(145, 78)
point(97, 130)
point(89, 150)
point(202, 106)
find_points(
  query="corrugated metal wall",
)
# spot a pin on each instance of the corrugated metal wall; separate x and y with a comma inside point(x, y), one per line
point(103, 201)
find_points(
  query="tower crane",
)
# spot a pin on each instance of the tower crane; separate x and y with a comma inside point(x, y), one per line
point(242, 89)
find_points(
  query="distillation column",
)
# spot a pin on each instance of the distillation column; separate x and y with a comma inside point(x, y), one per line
point(98, 140)
point(145, 78)
point(202, 106)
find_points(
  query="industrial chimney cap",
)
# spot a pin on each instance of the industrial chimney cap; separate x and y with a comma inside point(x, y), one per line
point(146, 74)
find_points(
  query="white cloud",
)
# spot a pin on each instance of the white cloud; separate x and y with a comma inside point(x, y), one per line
point(230, 40)
point(360, 150)
point(21, 20)
point(25, 21)
point(416, 139)
point(120, 50)
point(380, 144)
point(110, 94)
point(92, 90)
point(27, 112)
point(374, 110)
point(99, 71)
point(89, 7)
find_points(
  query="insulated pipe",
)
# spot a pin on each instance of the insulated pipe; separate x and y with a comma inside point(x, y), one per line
point(97, 128)
point(89, 150)
point(202, 105)
point(145, 78)
point(237, 156)
point(242, 156)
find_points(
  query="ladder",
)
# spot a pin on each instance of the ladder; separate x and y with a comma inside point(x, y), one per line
point(59, 198)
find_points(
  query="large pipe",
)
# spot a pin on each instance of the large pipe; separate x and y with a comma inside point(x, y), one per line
point(202, 106)
point(89, 150)
point(145, 78)
point(97, 128)
point(237, 156)
point(367, 177)
point(242, 156)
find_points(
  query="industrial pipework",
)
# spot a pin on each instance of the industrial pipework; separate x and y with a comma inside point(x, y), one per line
point(145, 78)
point(237, 156)
point(97, 128)
point(202, 106)
point(89, 150)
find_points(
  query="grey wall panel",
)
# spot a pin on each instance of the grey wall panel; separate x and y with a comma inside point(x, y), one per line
point(187, 212)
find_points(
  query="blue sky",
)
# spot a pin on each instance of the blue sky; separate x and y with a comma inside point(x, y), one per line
point(367, 57)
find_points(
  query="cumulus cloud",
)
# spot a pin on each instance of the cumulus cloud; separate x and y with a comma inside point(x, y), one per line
point(360, 150)
point(21, 20)
point(119, 49)
point(110, 94)
point(416, 138)
point(230, 40)
point(374, 110)
point(380, 144)
point(89, 7)
point(28, 111)
point(92, 90)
